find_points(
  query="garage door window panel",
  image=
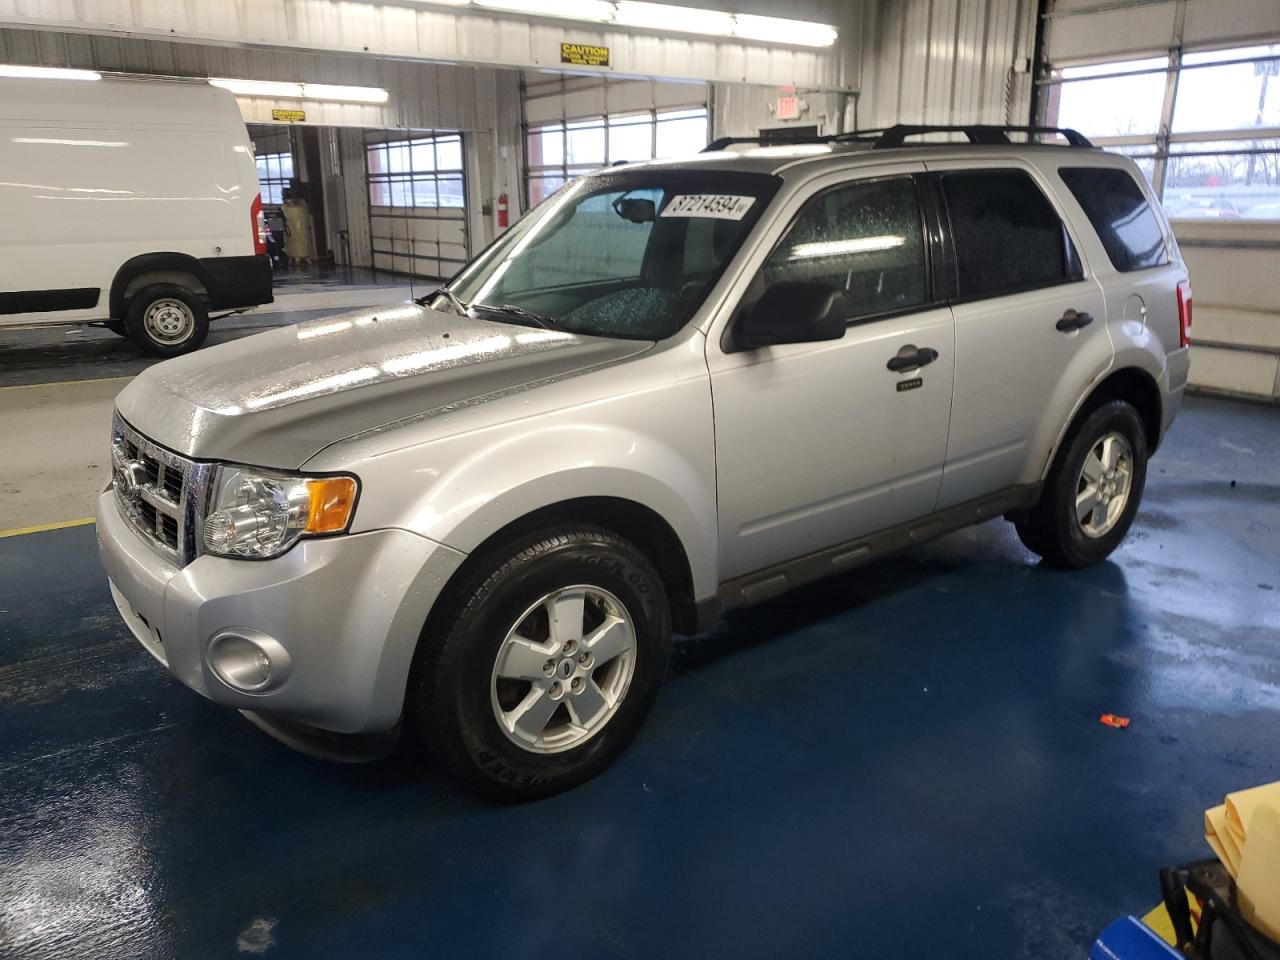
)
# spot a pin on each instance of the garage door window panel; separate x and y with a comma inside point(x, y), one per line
point(275, 170)
point(865, 239)
point(561, 151)
point(1121, 215)
point(1008, 238)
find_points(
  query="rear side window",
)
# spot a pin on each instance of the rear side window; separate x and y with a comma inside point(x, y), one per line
point(1118, 210)
point(865, 238)
point(1008, 237)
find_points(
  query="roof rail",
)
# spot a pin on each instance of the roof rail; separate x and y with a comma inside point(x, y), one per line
point(979, 133)
point(895, 136)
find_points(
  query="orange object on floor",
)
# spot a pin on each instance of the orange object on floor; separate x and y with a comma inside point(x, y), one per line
point(1114, 720)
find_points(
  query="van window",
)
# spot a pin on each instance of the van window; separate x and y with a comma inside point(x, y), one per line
point(1118, 210)
point(1008, 237)
point(864, 238)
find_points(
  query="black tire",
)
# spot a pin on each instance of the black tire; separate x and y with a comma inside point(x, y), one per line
point(450, 698)
point(1051, 528)
point(182, 301)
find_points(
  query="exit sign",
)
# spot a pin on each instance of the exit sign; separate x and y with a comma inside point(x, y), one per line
point(788, 108)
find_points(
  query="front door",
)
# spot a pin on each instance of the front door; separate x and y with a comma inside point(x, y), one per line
point(820, 443)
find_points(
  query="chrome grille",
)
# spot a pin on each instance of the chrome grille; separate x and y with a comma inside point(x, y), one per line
point(160, 493)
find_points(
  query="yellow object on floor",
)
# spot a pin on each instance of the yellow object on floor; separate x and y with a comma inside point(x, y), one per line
point(1158, 920)
point(1244, 832)
point(1258, 883)
point(1221, 838)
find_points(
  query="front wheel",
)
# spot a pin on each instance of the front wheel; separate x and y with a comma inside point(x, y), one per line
point(547, 659)
point(167, 319)
point(1093, 489)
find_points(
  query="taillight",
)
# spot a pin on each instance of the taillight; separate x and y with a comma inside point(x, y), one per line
point(258, 224)
point(1184, 313)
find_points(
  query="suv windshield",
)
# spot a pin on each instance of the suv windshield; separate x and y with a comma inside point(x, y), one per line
point(623, 254)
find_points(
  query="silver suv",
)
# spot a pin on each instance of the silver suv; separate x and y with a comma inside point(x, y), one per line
point(674, 389)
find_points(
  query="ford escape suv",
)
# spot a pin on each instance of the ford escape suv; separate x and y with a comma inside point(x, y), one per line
point(673, 389)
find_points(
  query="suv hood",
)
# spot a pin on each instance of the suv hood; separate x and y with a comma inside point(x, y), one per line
point(278, 398)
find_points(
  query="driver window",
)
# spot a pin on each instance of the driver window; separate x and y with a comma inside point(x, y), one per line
point(864, 238)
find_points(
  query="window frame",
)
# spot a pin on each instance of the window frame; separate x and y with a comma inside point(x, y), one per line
point(929, 235)
point(949, 240)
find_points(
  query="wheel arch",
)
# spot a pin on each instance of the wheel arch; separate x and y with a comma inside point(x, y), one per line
point(149, 268)
point(643, 526)
point(1131, 384)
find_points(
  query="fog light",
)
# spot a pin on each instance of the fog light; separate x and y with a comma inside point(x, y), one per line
point(248, 661)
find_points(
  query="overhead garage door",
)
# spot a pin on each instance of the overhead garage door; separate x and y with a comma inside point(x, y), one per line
point(417, 202)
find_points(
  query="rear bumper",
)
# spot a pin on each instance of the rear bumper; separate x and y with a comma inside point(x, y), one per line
point(346, 611)
point(237, 281)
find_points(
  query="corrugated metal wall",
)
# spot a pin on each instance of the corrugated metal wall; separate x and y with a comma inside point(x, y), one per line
point(412, 32)
point(947, 61)
point(423, 95)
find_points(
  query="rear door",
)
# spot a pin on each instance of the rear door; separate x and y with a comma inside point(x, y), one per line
point(1031, 330)
point(820, 443)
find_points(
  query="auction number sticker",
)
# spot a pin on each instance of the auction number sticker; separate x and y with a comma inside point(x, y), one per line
point(718, 206)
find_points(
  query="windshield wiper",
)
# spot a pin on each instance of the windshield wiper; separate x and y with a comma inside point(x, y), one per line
point(510, 309)
point(454, 300)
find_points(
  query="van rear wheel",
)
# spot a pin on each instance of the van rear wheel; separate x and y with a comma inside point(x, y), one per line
point(167, 319)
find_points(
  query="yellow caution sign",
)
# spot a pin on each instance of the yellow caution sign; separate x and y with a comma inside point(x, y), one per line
point(584, 55)
point(289, 116)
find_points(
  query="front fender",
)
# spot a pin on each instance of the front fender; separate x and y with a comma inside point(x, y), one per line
point(494, 483)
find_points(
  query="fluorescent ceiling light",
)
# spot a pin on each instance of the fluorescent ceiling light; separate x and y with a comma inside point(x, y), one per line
point(279, 90)
point(259, 88)
point(329, 91)
point(600, 11)
point(777, 30)
point(664, 16)
point(47, 73)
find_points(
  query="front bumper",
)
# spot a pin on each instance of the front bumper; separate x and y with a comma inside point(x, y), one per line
point(348, 610)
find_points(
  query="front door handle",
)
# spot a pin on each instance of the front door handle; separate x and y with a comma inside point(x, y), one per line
point(1074, 320)
point(912, 357)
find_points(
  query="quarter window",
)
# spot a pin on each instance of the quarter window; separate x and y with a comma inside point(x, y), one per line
point(863, 238)
point(1118, 210)
point(1008, 237)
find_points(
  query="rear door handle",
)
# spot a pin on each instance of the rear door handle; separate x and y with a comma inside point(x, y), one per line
point(1074, 320)
point(912, 357)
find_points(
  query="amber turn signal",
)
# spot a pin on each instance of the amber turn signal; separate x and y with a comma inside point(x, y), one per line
point(332, 500)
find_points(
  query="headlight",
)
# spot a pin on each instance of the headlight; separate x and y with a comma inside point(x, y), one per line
point(260, 514)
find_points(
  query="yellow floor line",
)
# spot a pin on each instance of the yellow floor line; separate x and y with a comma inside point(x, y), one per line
point(41, 527)
point(66, 383)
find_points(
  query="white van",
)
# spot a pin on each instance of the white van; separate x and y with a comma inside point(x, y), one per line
point(130, 202)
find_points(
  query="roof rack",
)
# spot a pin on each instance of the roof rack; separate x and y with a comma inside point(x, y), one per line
point(895, 136)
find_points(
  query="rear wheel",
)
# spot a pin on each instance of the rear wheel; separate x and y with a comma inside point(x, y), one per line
point(546, 662)
point(167, 319)
point(1093, 489)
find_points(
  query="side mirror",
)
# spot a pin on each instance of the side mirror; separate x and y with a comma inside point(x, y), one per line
point(793, 312)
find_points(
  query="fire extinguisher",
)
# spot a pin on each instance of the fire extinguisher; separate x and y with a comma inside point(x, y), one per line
point(503, 218)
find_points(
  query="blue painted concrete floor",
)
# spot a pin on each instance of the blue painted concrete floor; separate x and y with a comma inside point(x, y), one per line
point(905, 762)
